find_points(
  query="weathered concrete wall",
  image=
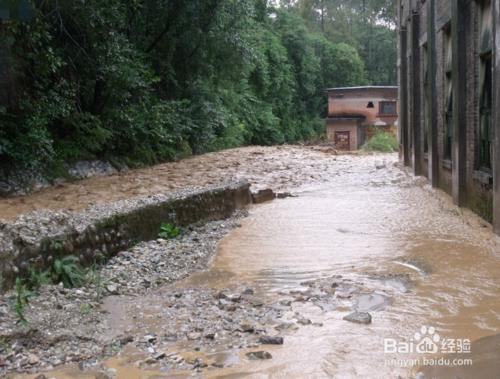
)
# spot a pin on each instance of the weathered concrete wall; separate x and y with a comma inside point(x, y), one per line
point(36, 239)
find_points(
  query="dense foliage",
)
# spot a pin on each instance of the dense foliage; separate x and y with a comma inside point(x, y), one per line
point(143, 81)
point(382, 141)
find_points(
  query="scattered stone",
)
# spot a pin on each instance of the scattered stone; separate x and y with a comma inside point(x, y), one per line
point(194, 336)
point(112, 289)
point(304, 321)
point(286, 326)
point(258, 355)
point(150, 338)
point(359, 318)
point(263, 196)
point(248, 291)
point(284, 195)
point(247, 327)
point(103, 375)
point(271, 340)
point(286, 303)
point(159, 356)
point(33, 359)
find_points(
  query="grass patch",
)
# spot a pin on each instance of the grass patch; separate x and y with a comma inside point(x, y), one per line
point(381, 141)
point(169, 231)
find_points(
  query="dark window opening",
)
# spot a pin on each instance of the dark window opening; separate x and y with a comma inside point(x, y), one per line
point(448, 127)
point(425, 98)
point(484, 137)
point(370, 105)
point(388, 108)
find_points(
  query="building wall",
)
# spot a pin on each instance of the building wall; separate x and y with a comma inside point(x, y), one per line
point(478, 193)
point(350, 126)
point(356, 102)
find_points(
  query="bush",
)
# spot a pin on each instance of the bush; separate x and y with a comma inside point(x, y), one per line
point(381, 141)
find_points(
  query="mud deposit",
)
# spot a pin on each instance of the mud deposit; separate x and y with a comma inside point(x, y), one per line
point(310, 286)
point(281, 168)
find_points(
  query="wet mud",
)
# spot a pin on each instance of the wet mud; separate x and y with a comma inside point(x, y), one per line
point(281, 168)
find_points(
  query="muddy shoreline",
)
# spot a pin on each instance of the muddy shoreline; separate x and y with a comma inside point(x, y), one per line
point(71, 325)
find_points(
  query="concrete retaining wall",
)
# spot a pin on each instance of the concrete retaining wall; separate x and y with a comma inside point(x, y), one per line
point(97, 233)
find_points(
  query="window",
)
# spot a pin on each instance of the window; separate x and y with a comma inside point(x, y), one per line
point(485, 87)
point(485, 116)
point(370, 105)
point(388, 108)
point(448, 111)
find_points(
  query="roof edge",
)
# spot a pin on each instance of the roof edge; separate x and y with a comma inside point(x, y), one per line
point(360, 88)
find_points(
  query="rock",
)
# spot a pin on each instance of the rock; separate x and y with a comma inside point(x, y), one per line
point(102, 375)
point(149, 361)
point(359, 318)
point(286, 326)
point(304, 321)
point(194, 336)
point(171, 337)
point(33, 359)
point(235, 298)
point(286, 303)
point(150, 338)
point(247, 327)
point(41, 376)
point(248, 291)
point(87, 169)
point(257, 355)
point(159, 356)
point(112, 289)
point(300, 299)
point(271, 340)
point(284, 195)
point(263, 196)
point(125, 340)
point(256, 303)
point(199, 363)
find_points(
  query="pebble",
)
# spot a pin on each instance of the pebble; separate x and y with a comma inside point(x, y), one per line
point(359, 318)
point(304, 321)
point(271, 340)
point(257, 355)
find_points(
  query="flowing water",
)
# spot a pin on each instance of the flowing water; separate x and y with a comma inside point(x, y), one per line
point(369, 225)
point(419, 260)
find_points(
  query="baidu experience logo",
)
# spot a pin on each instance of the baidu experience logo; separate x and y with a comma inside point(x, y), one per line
point(427, 341)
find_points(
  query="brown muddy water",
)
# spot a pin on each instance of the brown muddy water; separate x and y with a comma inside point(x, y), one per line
point(279, 167)
point(416, 260)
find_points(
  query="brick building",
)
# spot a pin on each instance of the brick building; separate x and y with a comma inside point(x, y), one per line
point(449, 99)
point(353, 112)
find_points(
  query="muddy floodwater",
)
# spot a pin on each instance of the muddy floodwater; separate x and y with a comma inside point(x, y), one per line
point(388, 245)
point(434, 265)
point(279, 167)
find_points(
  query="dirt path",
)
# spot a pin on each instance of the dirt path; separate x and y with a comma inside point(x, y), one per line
point(279, 167)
